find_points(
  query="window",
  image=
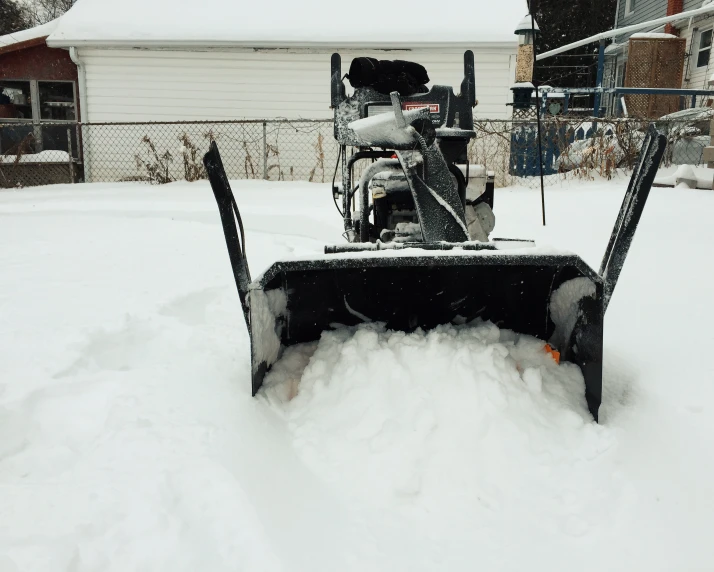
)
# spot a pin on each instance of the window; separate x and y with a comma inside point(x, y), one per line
point(57, 100)
point(705, 46)
point(15, 100)
point(630, 6)
point(620, 79)
point(41, 101)
point(41, 112)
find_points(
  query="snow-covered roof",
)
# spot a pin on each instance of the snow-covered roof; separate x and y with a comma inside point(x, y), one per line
point(31, 34)
point(652, 36)
point(527, 24)
point(287, 23)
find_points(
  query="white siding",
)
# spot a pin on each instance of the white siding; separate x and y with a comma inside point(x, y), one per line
point(167, 85)
point(696, 77)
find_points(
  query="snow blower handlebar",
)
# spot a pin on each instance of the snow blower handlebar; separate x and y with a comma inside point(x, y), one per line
point(228, 210)
point(633, 204)
point(468, 85)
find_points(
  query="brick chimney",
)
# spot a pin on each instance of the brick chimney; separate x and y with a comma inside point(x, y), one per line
point(673, 7)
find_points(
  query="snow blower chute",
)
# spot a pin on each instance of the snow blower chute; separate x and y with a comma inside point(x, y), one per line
point(418, 252)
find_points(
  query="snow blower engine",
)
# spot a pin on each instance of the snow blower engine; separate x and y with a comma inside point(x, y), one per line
point(417, 140)
point(414, 198)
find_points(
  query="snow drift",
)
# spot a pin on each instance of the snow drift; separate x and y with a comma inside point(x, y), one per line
point(460, 418)
point(129, 439)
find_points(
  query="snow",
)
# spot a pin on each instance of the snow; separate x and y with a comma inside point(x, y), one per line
point(701, 113)
point(563, 308)
point(41, 157)
point(383, 128)
point(37, 32)
point(129, 439)
point(668, 177)
point(527, 24)
point(652, 36)
point(311, 23)
point(430, 424)
point(265, 309)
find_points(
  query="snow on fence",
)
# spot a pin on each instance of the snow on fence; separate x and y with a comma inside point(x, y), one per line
point(305, 150)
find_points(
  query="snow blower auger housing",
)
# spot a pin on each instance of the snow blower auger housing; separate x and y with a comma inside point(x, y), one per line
point(441, 278)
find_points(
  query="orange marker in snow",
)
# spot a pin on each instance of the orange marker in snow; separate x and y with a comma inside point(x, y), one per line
point(554, 353)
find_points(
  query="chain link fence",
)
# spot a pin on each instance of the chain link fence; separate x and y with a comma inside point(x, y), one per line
point(282, 150)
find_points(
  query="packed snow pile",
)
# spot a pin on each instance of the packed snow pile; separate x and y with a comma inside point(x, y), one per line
point(691, 176)
point(41, 157)
point(461, 418)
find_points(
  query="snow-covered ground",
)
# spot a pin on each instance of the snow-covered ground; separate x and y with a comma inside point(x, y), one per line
point(41, 157)
point(129, 440)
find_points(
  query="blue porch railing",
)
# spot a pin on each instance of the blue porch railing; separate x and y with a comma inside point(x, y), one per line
point(524, 145)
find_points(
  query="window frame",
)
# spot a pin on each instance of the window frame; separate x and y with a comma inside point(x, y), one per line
point(630, 7)
point(620, 71)
point(33, 119)
point(39, 103)
point(707, 48)
point(36, 121)
point(35, 96)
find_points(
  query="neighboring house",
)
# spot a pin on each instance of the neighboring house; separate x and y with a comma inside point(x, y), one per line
point(38, 110)
point(627, 13)
point(162, 60)
point(693, 63)
point(148, 60)
point(38, 86)
point(698, 67)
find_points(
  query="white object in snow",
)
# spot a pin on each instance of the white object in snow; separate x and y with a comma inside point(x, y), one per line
point(668, 177)
point(685, 175)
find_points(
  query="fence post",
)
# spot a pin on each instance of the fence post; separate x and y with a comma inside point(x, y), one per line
point(598, 81)
point(85, 131)
point(265, 152)
point(69, 153)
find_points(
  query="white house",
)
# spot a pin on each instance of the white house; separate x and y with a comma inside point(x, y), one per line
point(148, 60)
point(212, 60)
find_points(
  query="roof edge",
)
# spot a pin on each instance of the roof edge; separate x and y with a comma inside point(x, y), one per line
point(22, 45)
point(194, 44)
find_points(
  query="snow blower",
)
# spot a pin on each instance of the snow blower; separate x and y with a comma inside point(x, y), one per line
point(417, 251)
